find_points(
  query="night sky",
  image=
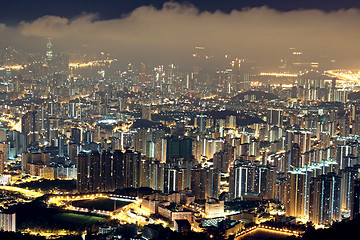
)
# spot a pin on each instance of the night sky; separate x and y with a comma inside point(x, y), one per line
point(159, 31)
point(14, 11)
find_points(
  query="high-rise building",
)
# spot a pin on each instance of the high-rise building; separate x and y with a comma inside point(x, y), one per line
point(53, 130)
point(75, 135)
point(223, 160)
point(240, 75)
point(205, 183)
point(296, 197)
point(49, 53)
point(240, 179)
point(344, 156)
point(73, 151)
point(275, 117)
point(324, 203)
point(82, 180)
point(118, 170)
point(271, 183)
point(29, 128)
point(355, 199)
point(170, 180)
point(94, 171)
point(295, 158)
point(178, 148)
point(144, 173)
point(348, 177)
point(261, 180)
point(141, 137)
point(302, 138)
point(132, 168)
point(2, 162)
point(200, 123)
point(156, 175)
point(160, 149)
point(8, 222)
point(146, 112)
point(231, 122)
point(106, 171)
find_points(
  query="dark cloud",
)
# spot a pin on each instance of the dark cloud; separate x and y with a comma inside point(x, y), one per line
point(171, 33)
point(20, 10)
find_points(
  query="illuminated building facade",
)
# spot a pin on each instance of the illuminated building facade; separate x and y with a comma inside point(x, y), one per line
point(324, 204)
point(8, 222)
point(355, 200)
point(30, 128)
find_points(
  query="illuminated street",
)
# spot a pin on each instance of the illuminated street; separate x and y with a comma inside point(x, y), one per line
point(25, 192)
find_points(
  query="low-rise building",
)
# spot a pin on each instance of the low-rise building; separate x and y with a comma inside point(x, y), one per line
point(214, 208)
point(174, 212)
point(182, 226)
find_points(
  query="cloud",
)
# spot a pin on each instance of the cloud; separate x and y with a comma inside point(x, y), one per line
point(172, 32)
point(2, 27)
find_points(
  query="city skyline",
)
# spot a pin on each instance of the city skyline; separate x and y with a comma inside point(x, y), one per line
point(179, 120)
point(170, 32)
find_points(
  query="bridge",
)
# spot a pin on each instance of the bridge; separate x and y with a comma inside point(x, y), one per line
point(274, 230)
point(64, 200)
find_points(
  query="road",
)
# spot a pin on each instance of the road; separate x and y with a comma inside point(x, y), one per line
point(25, 192)
point(346, 77)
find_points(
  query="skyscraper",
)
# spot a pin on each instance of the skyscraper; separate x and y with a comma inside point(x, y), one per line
point(2, 162)
point(177, 148)
point(82, 181)
point(296, 194)
point(324, 204)
point(29, 128)
point(274, 117)
point(118, 169)
point(170, 180)
point(355, 200)
point(156, 175)
point(240, 75)
point(132, 168)
point(49, 53)
point(200, 123)
point(295, 159)
point(205, 183)
point(146, 112)
point(88, 172)
point(94, 172)
point(348, 178)
point(8, 222)
point(106, 172)
point(75, 135)
point(240, 179)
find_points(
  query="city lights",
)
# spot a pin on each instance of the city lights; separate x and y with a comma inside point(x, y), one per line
point(179, 120)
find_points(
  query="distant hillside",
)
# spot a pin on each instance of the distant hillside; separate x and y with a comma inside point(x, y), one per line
point(258, 95)
point(342, 230)
point(144, 123)
point(221, 114)
point(248, 120)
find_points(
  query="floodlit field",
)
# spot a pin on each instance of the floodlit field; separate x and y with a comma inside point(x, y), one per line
point(77, 218)
point(100, 204)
